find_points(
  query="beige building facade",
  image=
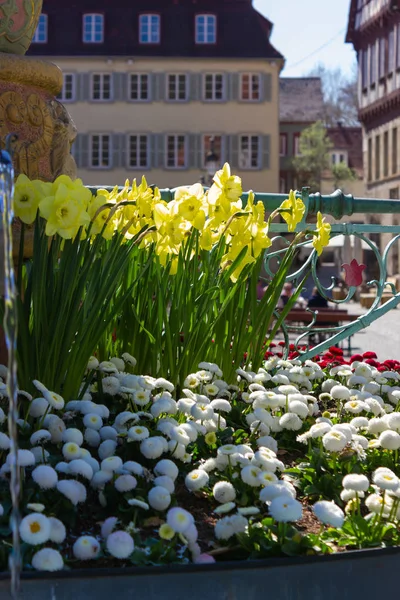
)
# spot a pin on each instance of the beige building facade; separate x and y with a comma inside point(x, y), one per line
point(167, 90)
point(156, 117)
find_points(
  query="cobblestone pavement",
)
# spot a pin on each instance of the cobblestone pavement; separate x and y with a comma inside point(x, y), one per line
point(382, 336)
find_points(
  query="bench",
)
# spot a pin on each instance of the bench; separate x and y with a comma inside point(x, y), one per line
point(324, 317)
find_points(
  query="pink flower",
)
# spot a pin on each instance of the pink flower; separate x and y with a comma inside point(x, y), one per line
point(204, 559)
point(353, 271)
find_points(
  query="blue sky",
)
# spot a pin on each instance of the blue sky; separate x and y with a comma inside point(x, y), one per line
point(301, 27)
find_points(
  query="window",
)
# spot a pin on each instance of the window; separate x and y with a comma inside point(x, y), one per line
point(370, 159)
point(339, 157)
point(93, 29)
point(138, 151)
point(40, 36)
point(372, 64)
point(296, 144)
point(394, 150)
point(394, 193)
point(364, 69)
point(386, 154)
point(398, 46)
point(390, 63)
point(214, 87)
point(377, 157)
point(67, 93)
point(177, 87)
point(382, 58)
point(283, 144)
point(176, 152)
point(215, 146)
point(100, 151)
point(149, 29)
point(250, 86)
point(101, 86)
point(206, 29)
point(139, 88)
point(249, 152)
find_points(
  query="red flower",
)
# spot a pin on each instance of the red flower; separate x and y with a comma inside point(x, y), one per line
point(353, 276)
point(369, 355)
point(336, 350)
point(374, 363)
point(355, 357)
point(282, 344)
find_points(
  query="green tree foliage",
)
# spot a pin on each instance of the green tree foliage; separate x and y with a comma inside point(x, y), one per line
point(314, 157)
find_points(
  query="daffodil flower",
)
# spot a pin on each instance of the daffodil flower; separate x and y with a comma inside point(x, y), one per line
point(27, 195)
point(65, 212)
point(321, 238)
point(293, 210)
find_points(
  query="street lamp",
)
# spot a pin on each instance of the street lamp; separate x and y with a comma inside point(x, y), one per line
point(212, 161)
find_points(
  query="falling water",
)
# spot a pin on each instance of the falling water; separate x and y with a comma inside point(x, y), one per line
point(10, 329)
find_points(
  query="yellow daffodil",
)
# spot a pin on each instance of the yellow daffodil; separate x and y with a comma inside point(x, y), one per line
point(75, 185)
point(99, 218)
point(323, 232)
point(64, 212)
point(225, 186)
point(27, 195)
point(189, 204)
point(295, 210)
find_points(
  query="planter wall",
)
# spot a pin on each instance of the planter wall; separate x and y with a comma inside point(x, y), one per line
point(346, 576)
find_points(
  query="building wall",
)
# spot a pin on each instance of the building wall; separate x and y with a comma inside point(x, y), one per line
point(159, 117)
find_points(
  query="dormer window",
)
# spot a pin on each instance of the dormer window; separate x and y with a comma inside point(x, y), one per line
point(149, 29)
point(206, 29)
point(40, 36)
point(93, 29)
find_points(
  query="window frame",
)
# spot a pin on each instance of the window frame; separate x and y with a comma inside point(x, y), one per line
point(110, 151)
point(204, 86)
point(250, 74)
point(149, 16)
point(62, 96)
point(102, 75)
point(44, 18)
point(176, 167)
point(93, 28)
point(167, 88)
point(283, 136)
point(336, 157)
point(139, 74)
point(204, 149)
point(259, 156)
point(206, 16)
point(139, 167)
point(296, 144)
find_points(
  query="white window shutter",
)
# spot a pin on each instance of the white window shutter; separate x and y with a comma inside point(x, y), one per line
point(195, 87)
point(266, 150)
point(233, 151)
point(266, 87)
point(159, 91)
point(233, 94)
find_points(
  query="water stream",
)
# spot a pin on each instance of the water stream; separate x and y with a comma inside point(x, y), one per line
point(10, 329)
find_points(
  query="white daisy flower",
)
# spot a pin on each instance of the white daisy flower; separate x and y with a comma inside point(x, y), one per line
point(86, 547)
point(45, 476)
point(120, 544)
point(47, 559)
point(34, 529)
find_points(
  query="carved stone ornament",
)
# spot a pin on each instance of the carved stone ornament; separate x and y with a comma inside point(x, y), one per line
point(29, 109)
point(18, 22)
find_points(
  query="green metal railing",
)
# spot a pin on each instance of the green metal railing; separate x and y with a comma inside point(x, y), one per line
point(336, 205)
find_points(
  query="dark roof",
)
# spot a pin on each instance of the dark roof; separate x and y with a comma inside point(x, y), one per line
point(350, 139)
point(300, 99)
point(242, 32)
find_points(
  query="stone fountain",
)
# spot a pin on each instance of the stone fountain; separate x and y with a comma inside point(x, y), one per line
point(28, 98)
point(28, 104)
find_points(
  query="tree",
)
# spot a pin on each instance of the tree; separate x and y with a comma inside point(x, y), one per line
point(340, 95)
point(341, 173)
point(314, 156)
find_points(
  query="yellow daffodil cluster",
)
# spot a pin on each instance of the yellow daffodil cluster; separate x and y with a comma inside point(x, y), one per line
point(217, 214)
